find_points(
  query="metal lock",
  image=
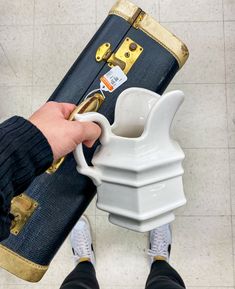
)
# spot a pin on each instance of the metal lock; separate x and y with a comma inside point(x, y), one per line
point(125, 57)
point(22, 208)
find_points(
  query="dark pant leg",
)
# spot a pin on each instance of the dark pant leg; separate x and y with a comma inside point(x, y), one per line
point(82, 277)
point(163, 276)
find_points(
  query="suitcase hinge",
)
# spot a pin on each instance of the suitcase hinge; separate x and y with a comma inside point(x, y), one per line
point(136, 24)
point(22, 208)
point(125, 57)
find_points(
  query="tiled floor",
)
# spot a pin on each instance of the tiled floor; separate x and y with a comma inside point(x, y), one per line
point(40, 39)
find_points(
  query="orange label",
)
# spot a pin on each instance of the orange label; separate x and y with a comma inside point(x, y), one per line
point(106, 83)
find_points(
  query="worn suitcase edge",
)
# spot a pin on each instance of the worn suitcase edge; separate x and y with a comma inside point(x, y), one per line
point(21, 267)
point(143, 21)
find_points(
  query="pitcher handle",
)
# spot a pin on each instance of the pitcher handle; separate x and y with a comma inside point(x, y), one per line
point(82, 166)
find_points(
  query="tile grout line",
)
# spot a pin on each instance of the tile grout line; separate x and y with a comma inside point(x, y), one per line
point(33, 55)
point(90, 23)
point(96, 14)
point(229, 164)
point(159, 10)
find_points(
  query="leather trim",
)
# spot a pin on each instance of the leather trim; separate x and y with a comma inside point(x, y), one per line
point(21, 267)
point(168, 40)
point(126, 10)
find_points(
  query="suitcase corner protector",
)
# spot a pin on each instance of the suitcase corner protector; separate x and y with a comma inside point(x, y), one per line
point(20, 266)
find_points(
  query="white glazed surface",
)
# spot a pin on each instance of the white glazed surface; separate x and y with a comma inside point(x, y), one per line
point(138, 168)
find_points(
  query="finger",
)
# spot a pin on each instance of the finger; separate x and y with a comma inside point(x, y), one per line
point(92, 131)
point(83, 131)
point(89, 143)
point(67, 109)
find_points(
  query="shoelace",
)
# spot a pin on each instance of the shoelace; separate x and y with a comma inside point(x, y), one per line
point(82, 246)
point(159, 246)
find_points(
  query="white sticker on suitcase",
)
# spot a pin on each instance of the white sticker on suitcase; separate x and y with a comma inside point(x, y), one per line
point(113, 79)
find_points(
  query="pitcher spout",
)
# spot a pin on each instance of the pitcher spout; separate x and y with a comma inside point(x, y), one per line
point(157, 129)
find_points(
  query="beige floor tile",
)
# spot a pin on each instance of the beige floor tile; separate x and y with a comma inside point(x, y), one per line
point(40, 95)
point(16, 12)
point(150, 6)
point(101, 213)
point(206, 182)
point(203, 287)
point(202, 251)
point(104, 6)
point(206, 48)
point(56, 49)
point(65, 12)
point(8, 279)
point(232, 178)
point(121, 255)
point(202, 120)
point(230, 51)
point(231, 113)
point(91, 209)
point(16, 55)
point(199, 10)
point(102, 9)
point(15, 101)
point(233, 225)
point(229, 10)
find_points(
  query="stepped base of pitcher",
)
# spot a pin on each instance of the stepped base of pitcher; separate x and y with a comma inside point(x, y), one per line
point(141, 226)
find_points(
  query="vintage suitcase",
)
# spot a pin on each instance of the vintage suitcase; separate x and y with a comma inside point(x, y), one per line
point(150, 56)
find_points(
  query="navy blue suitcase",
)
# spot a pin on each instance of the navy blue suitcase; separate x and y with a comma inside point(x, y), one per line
point(150, 56)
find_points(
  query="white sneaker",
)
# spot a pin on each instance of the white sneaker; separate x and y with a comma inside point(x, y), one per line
point(160, 244)
point(81, 241)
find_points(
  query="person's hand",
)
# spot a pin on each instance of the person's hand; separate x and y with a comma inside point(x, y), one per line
point(63, 135)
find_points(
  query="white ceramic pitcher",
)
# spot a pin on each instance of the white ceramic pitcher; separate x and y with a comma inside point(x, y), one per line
point(138, 167)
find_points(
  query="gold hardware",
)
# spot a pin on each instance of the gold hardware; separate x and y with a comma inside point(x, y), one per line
point(139, 19)
point(92, 103)
point(103, 52)
point(133, 46)
point(125, 57)
point(22, 208)
point(54, 167)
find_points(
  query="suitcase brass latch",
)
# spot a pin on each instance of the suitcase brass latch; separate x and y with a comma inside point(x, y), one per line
point(22, 208)
point(125, 56)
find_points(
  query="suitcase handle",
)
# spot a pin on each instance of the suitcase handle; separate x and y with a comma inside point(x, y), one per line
point(82, 166)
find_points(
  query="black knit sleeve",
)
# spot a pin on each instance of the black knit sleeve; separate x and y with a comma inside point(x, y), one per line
point(24, 154)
